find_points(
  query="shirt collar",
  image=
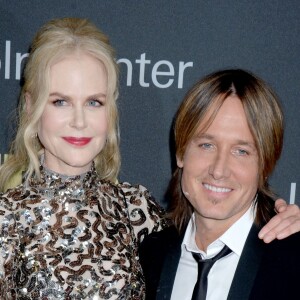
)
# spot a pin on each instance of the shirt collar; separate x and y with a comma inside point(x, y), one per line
point(235, 237)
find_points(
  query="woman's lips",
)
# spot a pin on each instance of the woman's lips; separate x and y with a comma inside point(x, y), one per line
point(77, 141)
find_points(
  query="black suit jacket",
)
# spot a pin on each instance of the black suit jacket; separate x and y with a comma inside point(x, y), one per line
point(265, 271)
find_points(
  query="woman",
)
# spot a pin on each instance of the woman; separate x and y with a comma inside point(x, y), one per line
point(70, 231)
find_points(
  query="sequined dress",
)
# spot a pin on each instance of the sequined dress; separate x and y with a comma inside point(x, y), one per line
point(74, 238)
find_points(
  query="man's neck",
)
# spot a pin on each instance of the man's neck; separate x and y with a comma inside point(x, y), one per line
point(209, 230)
point(206, 235)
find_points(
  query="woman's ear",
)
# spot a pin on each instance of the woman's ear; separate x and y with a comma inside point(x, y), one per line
point(28, 103)
point(179, 162)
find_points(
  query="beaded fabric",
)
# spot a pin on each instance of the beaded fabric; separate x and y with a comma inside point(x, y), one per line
point(74, 238)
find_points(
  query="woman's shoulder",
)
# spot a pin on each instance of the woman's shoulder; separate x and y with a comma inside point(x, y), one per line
point(9, 200)
point(130, 191)
point(17, 194)
point(145, 213)
point(133, 189)
point(137, 194)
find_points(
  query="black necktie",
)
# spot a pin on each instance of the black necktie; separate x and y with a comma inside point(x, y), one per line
point(204, 266)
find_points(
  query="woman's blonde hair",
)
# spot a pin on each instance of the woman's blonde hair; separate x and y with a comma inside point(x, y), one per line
point(56, 39)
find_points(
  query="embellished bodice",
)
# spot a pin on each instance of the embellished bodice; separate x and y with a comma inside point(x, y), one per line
point(74, 238)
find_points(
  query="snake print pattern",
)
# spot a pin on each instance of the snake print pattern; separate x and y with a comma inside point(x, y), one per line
point(74, 238)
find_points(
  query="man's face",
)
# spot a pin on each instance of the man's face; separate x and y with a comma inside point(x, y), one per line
point(220, 168)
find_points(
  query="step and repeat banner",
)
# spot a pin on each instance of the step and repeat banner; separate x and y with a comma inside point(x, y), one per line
point(163, 48)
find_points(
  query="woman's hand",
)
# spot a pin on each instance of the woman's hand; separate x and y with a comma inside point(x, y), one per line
point(285, 223)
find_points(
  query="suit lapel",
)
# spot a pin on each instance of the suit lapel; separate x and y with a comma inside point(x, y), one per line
point(247, 267)
point(169, 269)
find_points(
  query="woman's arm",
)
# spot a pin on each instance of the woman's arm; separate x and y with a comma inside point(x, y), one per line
point(285, 223)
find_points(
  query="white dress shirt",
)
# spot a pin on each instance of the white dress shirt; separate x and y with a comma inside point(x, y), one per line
point(221, 274)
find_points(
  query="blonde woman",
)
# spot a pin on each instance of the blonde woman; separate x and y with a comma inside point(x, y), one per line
point(70, 231)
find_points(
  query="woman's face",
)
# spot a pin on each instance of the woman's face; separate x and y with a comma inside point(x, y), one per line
point(73, 127)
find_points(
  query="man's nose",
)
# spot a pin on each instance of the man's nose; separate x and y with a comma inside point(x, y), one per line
point(220, 166)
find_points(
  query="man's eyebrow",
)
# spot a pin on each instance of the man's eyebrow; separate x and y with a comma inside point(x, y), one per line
point(246, 143)
point(204, 135)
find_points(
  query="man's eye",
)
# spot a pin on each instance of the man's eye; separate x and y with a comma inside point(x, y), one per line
point(206, 145)
point(241, 152)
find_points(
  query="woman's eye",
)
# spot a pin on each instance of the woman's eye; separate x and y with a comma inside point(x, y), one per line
point(95, 103)
point(59, 102)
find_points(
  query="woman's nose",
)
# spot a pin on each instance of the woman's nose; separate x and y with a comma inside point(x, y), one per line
point(78, 119)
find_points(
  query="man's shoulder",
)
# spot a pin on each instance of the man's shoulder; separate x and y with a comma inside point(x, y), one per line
point(283, 254)
point(163, 237)
point(153, 253)
point(159, 242)
point(291, 242)
point(278, 270)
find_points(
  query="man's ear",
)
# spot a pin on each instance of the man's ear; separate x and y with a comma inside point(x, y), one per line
point(179, 162)
point(28, 103)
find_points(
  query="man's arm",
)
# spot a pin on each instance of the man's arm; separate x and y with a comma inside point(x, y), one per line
point(285, 223)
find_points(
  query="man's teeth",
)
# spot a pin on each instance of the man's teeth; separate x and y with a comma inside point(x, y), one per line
point(216, 189)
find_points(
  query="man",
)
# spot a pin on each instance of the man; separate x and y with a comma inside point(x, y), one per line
point(229, 136)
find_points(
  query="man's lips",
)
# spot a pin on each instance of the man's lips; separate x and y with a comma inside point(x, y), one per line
point(78, 141)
